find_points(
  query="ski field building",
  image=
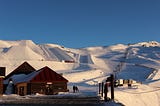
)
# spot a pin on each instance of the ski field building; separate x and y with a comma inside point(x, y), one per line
point(25, 80)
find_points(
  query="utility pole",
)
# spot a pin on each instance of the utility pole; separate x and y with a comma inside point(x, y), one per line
point(102, 88)
point(112, 87)
point(99, 88)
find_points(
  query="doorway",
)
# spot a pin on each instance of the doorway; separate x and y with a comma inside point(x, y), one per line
point(49, 89)
point(21, 90)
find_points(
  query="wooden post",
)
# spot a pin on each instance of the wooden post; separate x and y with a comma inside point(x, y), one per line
point(99, 88)
point(102, 88)
point(106, 91)
point(112, 87)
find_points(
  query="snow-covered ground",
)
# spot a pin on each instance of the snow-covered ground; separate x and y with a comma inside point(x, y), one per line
point(86, 67)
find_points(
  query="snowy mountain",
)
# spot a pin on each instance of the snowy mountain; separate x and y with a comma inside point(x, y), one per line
point(86, 67)
point(143, 57)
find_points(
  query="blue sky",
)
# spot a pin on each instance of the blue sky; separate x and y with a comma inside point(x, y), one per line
point(80, 23)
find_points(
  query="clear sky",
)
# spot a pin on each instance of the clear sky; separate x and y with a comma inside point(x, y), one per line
point(80, 23)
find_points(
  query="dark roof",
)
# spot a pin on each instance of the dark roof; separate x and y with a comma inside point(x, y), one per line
point(24, 68)
point(46, 74)
point(43, 75)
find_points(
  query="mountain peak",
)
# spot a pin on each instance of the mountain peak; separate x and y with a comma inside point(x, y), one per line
point(147, 44)
point(150, 44)
point(26, 42)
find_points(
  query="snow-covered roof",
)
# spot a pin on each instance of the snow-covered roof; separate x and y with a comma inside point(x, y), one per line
point(18, 78)
point(24, 68)
point(21, 77)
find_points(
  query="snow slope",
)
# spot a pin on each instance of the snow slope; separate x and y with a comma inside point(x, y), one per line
point(86, 67)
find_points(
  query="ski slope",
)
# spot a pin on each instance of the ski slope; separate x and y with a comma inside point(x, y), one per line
point(86, 67)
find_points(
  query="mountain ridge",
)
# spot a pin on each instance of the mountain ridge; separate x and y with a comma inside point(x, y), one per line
point(115, 58)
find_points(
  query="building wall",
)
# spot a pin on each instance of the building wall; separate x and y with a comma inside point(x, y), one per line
point(60, 86)
point(47, 88)
point(21, 89)
point(1, 85)
point(38, 87)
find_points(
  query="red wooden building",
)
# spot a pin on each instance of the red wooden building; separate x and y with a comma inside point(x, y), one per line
point(43, 81)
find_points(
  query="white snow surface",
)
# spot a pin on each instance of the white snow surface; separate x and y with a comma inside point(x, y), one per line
point(92, 65)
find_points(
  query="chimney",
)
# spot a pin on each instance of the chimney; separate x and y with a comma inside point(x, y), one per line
point(2, 71)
